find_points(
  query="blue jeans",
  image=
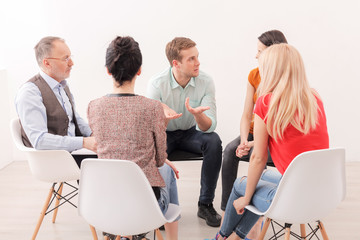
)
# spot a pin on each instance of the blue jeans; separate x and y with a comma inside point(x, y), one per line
point(209, 144)
point(169, 193)
point(262, 198)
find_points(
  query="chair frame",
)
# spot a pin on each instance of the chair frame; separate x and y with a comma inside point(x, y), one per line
point(285, 230)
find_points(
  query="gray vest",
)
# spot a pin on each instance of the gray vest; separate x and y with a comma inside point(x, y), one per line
point(57, 120)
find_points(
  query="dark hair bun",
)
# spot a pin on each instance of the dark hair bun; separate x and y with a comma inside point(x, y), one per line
point(123, 58)
point(122, 46)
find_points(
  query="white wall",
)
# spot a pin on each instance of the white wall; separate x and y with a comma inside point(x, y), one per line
point(6, 146)
point(327, 34)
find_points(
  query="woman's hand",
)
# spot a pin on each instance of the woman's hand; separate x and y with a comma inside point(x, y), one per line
point(244, 148)
point(240, 204)
point(173, 168)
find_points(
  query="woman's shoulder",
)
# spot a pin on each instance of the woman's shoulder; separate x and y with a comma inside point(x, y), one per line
point(96, 101)
point(262, 105)
point(150, 107)
point(254, 77)
point(148, 102)
point(254, 71)
point(264, 99)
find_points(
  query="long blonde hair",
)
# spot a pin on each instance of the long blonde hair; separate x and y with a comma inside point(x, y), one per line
point(292, 100)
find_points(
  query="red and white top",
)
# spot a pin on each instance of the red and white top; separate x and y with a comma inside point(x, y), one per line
point(294, 142)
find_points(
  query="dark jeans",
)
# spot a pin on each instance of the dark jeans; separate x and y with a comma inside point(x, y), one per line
point(78, 158)
point(230, 168)
point(209, 144)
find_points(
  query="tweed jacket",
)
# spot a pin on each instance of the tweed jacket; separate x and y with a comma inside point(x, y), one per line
point(130, 127)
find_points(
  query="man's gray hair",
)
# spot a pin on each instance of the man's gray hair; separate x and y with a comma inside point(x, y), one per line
point(44, 47)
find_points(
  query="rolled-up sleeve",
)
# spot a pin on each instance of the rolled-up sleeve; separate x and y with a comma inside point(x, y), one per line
point(210, 101)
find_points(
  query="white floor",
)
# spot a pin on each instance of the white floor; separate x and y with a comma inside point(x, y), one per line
point(22, 197)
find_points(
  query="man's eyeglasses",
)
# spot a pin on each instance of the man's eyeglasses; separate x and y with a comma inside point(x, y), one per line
point(66, 59)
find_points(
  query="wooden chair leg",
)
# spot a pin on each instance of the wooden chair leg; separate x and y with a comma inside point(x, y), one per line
point(93, 232)
point(287, 233)
point(264, 229)
point(303, 231)
point(323, 232)
point(158, 234)
point(42, 214)
point(57, 202)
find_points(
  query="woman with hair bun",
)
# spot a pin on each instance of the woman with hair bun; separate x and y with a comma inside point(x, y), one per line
point(132, 127)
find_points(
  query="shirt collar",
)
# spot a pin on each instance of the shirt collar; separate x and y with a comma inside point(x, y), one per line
point(174, 83)
point(52, 82)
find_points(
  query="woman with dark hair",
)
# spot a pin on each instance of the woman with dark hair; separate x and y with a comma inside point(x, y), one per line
point(132, 127)
point(272, 37)
point(241, 147)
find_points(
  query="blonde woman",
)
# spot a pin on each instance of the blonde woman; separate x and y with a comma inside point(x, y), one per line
point(289, 119)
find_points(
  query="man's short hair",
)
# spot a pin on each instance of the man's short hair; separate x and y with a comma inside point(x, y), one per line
point(174, 47)
point(44, 47)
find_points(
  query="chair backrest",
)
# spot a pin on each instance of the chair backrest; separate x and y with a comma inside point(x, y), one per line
point(46, 165)
point(313, 185)
point(116, 197)
point(15, 128)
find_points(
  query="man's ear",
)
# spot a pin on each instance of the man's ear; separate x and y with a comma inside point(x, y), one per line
point(175, 63)
point(139, 71)
point(46, 63)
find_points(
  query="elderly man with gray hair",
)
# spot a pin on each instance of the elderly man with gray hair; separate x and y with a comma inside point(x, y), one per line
point(46, 106)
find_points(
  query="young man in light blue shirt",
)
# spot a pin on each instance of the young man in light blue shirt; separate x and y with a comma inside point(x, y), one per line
point(46, 107)
point(188, 98)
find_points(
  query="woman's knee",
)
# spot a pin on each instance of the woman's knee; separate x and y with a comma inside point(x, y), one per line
point(240, 185)
point(239, 180)
point(272, 176)
point(167, 173)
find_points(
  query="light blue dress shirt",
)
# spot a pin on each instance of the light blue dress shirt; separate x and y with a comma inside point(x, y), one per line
point(32, 113)
point(200, 90)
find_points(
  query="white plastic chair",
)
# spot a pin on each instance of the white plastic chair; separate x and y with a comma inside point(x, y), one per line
point(116, 197)
point(312, 186)
point(54, 166)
